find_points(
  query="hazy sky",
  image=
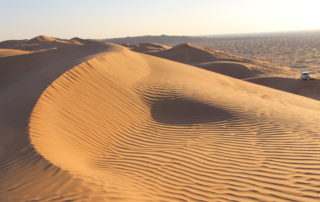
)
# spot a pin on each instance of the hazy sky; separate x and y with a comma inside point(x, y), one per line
point(118, 18)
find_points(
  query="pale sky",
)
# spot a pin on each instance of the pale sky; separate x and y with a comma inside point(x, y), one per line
point(120, 18)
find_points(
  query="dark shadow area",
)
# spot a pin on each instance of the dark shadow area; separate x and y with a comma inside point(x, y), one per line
point(235, 70)
point(182, 112)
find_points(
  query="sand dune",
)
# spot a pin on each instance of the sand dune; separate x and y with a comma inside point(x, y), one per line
point(189, 53)
point(41, 38)
point(127, 126)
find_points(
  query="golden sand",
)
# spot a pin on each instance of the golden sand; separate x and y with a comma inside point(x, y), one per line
point(109, 124)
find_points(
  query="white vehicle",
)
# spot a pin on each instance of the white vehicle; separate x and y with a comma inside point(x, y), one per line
point(305, 76)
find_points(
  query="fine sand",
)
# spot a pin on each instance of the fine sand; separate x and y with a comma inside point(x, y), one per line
point(99, 122)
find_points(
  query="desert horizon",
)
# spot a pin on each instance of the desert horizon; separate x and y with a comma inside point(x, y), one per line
point(182, 116)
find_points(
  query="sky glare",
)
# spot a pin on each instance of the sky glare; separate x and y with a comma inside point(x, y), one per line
point(119, 18)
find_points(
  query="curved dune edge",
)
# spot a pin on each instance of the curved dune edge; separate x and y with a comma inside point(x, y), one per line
point(121, 118)
point(70, 160)
point(12, 52)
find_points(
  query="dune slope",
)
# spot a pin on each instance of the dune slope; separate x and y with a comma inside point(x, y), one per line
point(136, 127)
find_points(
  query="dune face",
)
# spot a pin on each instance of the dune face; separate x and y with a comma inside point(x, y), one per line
point(110, 124)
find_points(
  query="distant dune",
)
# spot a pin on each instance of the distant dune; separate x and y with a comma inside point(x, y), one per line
point(41, 43)
point(188, 53)
point(215, 60)
point(148, 48)
point(99, 122)
point(161, 39)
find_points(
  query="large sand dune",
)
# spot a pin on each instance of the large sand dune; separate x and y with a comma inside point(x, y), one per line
point(127, 126)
